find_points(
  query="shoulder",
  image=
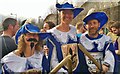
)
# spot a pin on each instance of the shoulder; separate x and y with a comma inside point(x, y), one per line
point(118, 39)
point(9, 57)
point(83, 36)
point(72, 27)
point(107, 38)
point(52, 30)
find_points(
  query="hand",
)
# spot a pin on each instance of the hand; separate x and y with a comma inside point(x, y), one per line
point(105, 68)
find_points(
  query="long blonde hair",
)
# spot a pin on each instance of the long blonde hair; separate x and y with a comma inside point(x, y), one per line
point(22, 44)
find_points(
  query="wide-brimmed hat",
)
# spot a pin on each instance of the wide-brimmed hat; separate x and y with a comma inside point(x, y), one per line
point(66, 5)
point(100, 16)
point(30, 28)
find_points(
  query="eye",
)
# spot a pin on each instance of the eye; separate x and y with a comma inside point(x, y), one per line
point(27, 34)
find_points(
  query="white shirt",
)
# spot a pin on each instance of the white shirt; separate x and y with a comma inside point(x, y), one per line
point(18, 64)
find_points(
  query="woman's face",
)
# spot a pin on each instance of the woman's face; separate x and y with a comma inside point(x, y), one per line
point(115, 30)
point(46, 26)
point(66, 16)
point(33, 36)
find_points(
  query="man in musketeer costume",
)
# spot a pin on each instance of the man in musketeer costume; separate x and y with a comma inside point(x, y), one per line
point(99, 45)
point(63, 34)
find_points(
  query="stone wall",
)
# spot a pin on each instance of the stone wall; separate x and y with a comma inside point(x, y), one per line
point(112, 9)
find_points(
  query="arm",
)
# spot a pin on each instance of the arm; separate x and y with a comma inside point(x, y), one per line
point(109, 59)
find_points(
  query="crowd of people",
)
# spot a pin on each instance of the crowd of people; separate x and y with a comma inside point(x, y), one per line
point(28, 49)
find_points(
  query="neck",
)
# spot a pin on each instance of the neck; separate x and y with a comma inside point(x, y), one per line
point(63, 27)
point(78, 31)
point(7, 33)
point(93, 36)
point(29, 52)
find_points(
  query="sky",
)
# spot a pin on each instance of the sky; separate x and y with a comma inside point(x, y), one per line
point(29, 8)
point(25, 8)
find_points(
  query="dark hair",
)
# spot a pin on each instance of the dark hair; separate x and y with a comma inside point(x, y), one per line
point(51, 24)
point(7, 22)
point(79, 25)
point(110, 24)
point(116, 24)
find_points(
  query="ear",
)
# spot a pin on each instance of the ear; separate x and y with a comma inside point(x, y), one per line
point(10, 26)
point(99, 24)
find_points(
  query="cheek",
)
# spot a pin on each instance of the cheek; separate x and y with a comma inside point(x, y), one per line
point(25, 39)
point(119, 30)
point(26, 42)
point(72, 16)
point(36, 37)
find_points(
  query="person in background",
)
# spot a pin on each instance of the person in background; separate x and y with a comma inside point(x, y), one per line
point(65, 33)
point(101, 31)
point(28, 57)
point(46, 50)
point(99, 45)
point(47, 26)
point(10, 27)
point(111, 31)
point(80, 29)
point(1, 32)
point(1, 29)
point(117, 43)
point(45, 58)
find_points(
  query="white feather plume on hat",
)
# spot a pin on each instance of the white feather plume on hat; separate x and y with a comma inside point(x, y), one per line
point(90, 11)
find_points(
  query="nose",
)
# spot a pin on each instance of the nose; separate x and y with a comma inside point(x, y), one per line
point(92, 25)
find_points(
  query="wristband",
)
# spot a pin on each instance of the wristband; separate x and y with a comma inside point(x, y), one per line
point(106, 64)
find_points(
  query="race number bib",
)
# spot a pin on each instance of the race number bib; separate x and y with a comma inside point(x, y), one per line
point(97, 56)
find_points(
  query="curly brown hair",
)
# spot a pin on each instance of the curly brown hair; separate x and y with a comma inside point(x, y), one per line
point(22, 44)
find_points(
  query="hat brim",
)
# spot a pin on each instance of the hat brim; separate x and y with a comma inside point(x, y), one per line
point(100, 16)
point(29, 28)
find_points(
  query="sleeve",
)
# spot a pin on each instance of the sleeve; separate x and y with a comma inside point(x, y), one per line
point(109, 58)
point(6, 70)
point(110, 55)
